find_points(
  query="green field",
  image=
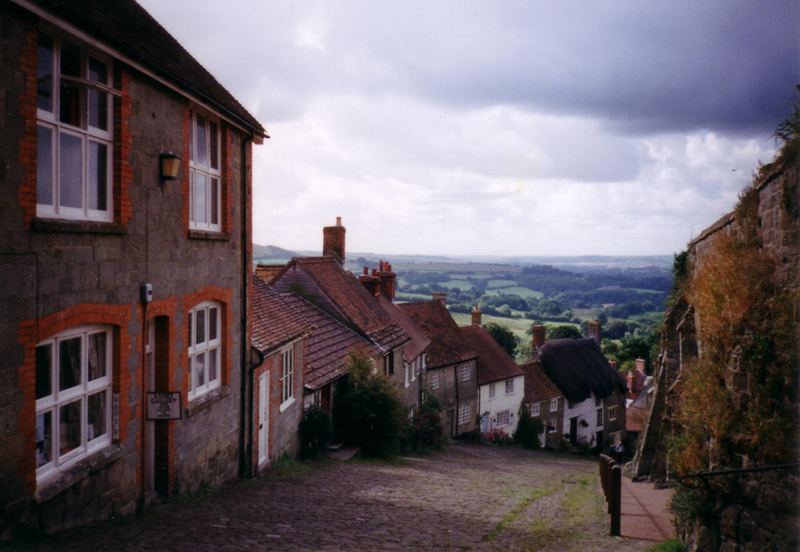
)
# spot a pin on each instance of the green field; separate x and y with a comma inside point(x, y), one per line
point(523, 292)
point(461, 285)
point(402, 296)
point(517, 325)
point(501, 283)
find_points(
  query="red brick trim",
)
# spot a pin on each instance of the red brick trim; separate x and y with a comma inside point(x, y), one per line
point(27, 109)
point(221, 295)
point(123, 174)
point(32, 332)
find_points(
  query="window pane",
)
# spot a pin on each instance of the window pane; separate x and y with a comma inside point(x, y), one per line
point(214, 138)
point(200, 181)
point(98, 170)
point(70, 60)
point(44, 165)
point(69, 363)
point(201, 155)
point(98, 109)
point(214, 201)
point(44, 438)
point(69, 427)
point(191, 195)
point(97, 416)
point(200, 369)
point(44, 74)
point(70, 104)
point(44, 370)
point(97, 356)
point(98, 71)
point(212, 323)
point(71, 170)
point(213, 363)
point(200, 326)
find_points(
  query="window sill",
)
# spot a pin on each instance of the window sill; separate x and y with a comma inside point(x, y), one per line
point(204, 401)
point(62, 481)
point(286, 404)
point(76, 226)
point(206, 235)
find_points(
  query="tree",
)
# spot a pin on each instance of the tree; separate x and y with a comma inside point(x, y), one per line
point(315, 432)
point(563, 332)
point(367, 412)
point(528, 429)
point(504, 337)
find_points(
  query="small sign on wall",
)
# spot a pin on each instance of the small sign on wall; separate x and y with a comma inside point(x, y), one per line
point(164, 405)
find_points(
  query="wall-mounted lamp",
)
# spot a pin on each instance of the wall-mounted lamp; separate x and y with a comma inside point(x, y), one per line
point(170, 163)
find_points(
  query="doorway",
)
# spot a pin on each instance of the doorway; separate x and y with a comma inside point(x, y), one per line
point(263, 418)
point(573, 430)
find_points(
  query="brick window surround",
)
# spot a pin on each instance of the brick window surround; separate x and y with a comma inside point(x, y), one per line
point(120, 157)
point(33, 332)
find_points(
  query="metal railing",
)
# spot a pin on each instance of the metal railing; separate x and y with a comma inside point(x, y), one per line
point(611, 481)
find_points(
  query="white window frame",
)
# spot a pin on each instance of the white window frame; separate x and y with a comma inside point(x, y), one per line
point(435, 380)
point(204, 349)
point(57, 399)
point(464, 412)
point(287, 377)
point(464, 372)
point(509, 387)
point(554, 404)
point(612, 412)
point(492, 390)
point(207, 172)
point(535, 409)
point(84, 132)
point(554, 427)
point(408, 369)
point(503, 418)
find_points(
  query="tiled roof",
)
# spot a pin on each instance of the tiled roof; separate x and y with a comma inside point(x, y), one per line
point(352, 300)
point(126, 27)
point(493, 364)
point(578, 368)
point(268, 272)
point(327, 347)
point(447, 342)
point(275, 321)
point(538, 386)
point(419, 341)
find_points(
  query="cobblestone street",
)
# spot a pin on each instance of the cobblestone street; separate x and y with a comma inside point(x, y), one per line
point(469, 498)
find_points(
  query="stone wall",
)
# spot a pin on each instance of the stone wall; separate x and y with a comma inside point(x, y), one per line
point(764, 516)
point(57, 274)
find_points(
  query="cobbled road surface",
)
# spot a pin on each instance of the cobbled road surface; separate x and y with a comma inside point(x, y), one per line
point(471, 497)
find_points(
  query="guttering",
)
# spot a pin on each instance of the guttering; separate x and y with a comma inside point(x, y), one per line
point(246, 375)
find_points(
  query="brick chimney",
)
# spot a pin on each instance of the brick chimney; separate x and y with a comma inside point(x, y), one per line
point(595, 331)
point(539, 331)
point(333, 241)
point(476, 316)
point(371, 282)
point(388, 280)
point(440, 296)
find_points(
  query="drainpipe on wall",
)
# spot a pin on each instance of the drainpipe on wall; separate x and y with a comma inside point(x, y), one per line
point(246, 375)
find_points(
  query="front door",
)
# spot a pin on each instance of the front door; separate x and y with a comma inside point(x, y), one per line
point(573, 430)
point(263, 418)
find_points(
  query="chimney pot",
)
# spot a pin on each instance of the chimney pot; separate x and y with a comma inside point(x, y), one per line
point(333, 240)
point(476, 316)
point(539, 331)
point(440, 296)
point(338, 221)
point(366, 271)
point(595, 331)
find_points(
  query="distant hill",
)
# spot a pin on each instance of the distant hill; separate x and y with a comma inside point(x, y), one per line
point(271, 252)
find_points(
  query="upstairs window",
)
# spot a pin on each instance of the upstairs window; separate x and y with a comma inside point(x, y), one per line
point(205, 348)
point(74, 138)
point(435, 383)
point(612, 413)
point(204, 174)
point(535, 409)
point(73, 397)
point(553, 405)
point(491, 390)
point(287, 377)
point(509, 386)
point(464, 371)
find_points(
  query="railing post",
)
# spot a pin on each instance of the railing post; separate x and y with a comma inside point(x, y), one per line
point(615, 500)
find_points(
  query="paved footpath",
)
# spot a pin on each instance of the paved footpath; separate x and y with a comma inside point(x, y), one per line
point(470, 497)
point(645, 515)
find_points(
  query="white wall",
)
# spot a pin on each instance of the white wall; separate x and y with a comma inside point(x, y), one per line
point(585, 411)
point(501, 402)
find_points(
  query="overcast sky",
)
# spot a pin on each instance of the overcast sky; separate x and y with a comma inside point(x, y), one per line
point(499, 127)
